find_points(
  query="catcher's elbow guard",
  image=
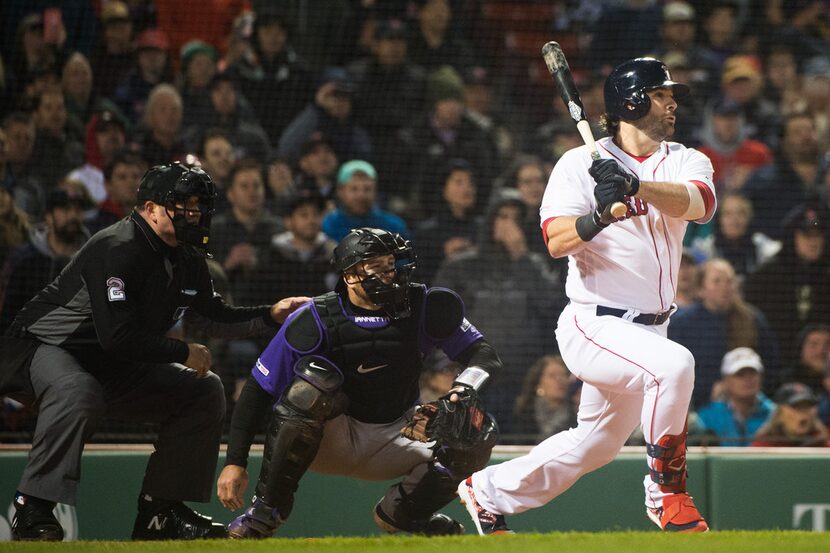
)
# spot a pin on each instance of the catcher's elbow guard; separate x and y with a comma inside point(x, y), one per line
point(473, 377)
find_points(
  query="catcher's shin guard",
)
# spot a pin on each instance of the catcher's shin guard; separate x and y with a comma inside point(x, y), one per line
point(669, 467)
point(296, 429)
point(399, 511)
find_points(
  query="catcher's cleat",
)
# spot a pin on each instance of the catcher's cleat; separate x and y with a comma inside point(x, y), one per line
point(487, 523)
point(678, 514)
point(259, 521)
point(34, 520)
point(174, 521)
point(437, 525)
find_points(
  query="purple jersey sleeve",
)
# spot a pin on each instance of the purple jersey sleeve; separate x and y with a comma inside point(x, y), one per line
point(456, 342)
point(274, 369)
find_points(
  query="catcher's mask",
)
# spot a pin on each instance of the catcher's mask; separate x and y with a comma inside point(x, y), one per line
point(367, 243)
point(173, 186)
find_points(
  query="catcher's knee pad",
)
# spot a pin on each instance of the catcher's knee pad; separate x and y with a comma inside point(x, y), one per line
point(296, 429)
point(669, 466)
point(461, 462)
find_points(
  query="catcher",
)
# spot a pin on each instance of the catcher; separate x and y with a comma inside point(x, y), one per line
point(339, 384)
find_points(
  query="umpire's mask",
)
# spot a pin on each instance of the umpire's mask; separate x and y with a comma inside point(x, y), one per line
point(367, 243)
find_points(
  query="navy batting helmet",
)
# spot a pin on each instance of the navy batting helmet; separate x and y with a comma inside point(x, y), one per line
point(626, 87)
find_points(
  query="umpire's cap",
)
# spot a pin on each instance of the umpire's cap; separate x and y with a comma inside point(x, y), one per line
point(626, 87)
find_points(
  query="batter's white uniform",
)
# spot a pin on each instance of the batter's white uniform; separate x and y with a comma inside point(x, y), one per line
point(633, 374)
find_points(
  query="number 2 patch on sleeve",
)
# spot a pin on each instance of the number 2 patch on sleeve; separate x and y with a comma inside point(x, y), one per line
point(115, 289)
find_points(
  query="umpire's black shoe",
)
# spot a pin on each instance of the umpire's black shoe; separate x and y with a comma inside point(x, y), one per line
point(173, 520)
point(34, 520)
point(436, 525)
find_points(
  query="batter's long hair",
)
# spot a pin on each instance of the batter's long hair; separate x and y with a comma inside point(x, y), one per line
point(609, 123)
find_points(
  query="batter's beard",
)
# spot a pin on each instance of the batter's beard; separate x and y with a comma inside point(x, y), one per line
point(656, 127)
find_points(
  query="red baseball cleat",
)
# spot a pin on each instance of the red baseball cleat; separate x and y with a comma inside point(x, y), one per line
point(678, 514)
point(487, 523)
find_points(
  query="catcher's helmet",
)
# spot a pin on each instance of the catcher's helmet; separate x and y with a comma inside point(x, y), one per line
point(626, 87)
point(172, 186)
point(367, 243)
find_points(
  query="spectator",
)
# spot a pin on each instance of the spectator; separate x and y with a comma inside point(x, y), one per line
point(279, 176)
point(357, 203)
point(686, 293)
point(273, 71)
point(57, 139)
point(742, 83)
point(824, 403)
point(553, 139)
point(544, 406)
point(33, 55)
point(317, 167)
point(813, 357)
point(246, 229)
point(218, 158)
point(122, 175)
point(733, 240)
point(501, 276)
point(720, 321)
point(51, 245)
point(228, 111)
point(441, 133)
point(776, 189)
point(159, 139)
point(795, 422)
point(816, 91)
point(453, 229)
point(198, 67)
point(298, 259)
point(725, 141)
point(152, 68)
point(611, 40)
point(741, 408)
point(720, 28)
point(105, 138)
point(437, 381)
point(114, 55)
point(19, 180)
point(77, 88)
point(389, 91)
point(331, 115)
point(433, 43)
point(782, 86)
point(792, 289)
point(480, 107)
point(14, 224)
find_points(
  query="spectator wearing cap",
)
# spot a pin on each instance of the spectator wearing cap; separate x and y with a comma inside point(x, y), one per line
point(245, 230)
point(57, 149)
point(298, 259)
point(433, 43)
point(720, 321)
point(742, 83)
point(105, 137)
point(273, 71)
point(51, 246)
point(197, 61)
point(725, 140)
point(228, 110)
point(454, 227)
point(152, 68)
point(795, 422)
point(18, 179)
point(317, 168)
point(742, 408)
point(122, 175)
point(442, 132)
point(776, 189)
point(357, 203)
point(330, 114)
point(114, 56)
point(389, 90)
point(793, 288)
point(158, 139)
point(813, 357)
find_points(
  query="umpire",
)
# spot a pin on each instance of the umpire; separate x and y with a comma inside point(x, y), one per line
point(93, 343)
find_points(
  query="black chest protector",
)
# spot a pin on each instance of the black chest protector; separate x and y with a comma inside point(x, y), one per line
point(380, 360)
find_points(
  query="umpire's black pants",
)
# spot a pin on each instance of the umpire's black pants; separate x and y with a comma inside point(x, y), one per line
point(72, 401)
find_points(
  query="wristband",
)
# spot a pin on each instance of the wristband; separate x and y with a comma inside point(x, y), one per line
point(473, 377)
point(589, 225)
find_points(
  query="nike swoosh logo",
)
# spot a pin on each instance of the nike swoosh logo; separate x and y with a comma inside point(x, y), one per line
point(361, 370)
point(318, 367)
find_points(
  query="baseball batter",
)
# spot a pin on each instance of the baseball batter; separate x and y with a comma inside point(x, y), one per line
point(622, 279)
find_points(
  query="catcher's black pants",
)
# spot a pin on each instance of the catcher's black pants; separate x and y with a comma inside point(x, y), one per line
point(72, 401)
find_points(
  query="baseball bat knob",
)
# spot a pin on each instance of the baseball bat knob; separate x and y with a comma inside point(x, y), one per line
point(618, 210)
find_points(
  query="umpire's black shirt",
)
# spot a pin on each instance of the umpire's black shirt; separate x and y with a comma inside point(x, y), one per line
point(121, 293)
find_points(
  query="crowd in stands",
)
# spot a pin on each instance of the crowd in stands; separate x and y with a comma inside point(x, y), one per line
point(436, 119)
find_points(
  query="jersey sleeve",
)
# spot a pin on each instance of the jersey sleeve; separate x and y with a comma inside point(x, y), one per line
point(570, 188)
point(697, 169)
point(114, 285)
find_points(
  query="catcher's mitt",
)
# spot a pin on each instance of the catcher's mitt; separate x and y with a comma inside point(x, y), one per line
point(458, 423)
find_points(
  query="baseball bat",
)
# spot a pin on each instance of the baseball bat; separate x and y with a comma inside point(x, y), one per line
point(558, 67)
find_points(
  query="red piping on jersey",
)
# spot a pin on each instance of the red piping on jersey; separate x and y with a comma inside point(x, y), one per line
point(659, 263)
point(654, 174)
point(610, 153)
point(656, 382)
point(708, 199)
point(545, 224)
point(668, 249)
point(639, 159)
